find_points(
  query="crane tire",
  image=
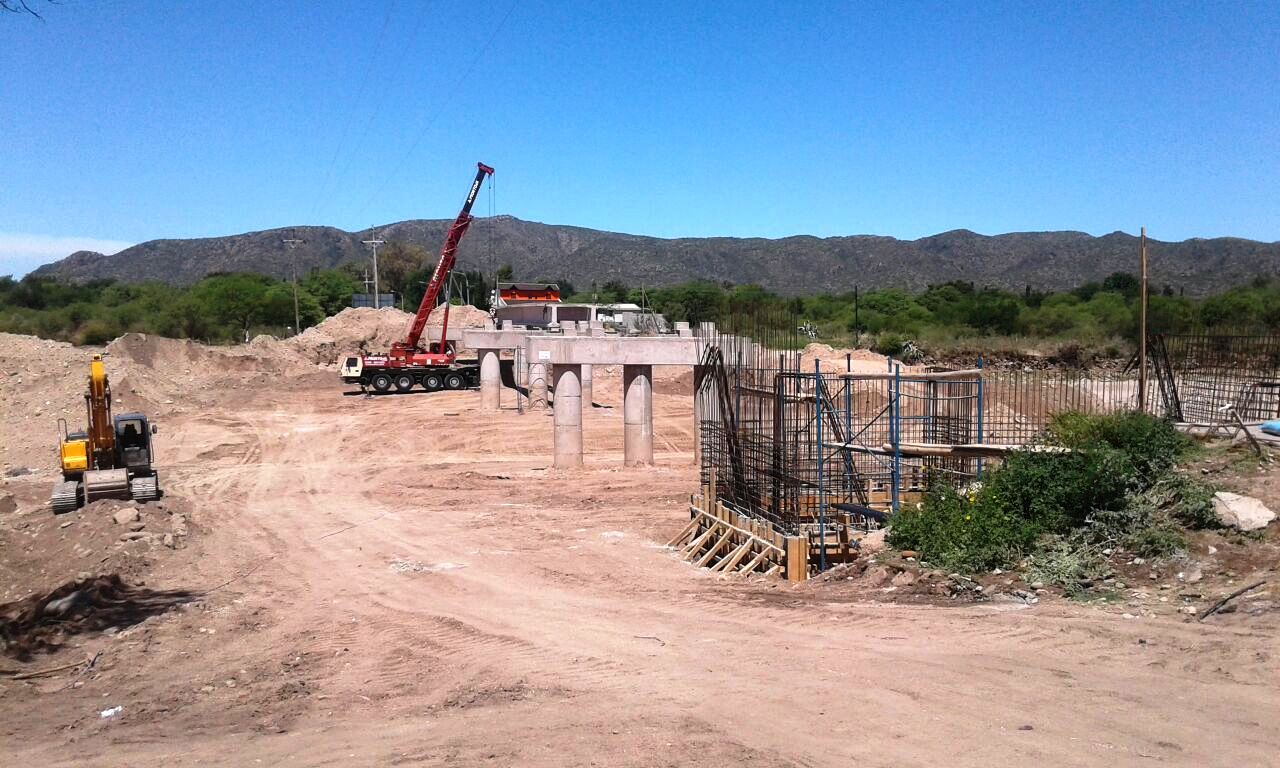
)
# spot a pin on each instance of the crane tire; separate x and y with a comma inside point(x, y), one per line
point(432, 381)
point(454, 381)
point(381, 383)
point(404, 382)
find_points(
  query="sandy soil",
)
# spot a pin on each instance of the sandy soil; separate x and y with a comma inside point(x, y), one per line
point(405, 581)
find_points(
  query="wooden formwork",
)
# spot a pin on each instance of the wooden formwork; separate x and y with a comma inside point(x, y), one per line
point(725, 541)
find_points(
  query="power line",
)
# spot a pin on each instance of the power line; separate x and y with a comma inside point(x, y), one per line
point(293, 242)
point(377, 292)
point(346, 125)
point(377, 103)
point(386, 180)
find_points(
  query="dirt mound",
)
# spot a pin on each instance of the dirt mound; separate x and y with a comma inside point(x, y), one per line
point(833, 360)
point(365, 330)
point(40, 382)
point(42, 622)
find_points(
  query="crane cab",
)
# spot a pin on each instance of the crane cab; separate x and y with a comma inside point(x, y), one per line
point(351, 367)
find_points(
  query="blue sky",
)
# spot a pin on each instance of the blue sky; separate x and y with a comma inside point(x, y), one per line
point(127, 121)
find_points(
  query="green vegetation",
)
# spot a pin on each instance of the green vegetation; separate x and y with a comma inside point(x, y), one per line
point(1116, 488)
point(221, 307)
point(1099, 315)
point(952, 317)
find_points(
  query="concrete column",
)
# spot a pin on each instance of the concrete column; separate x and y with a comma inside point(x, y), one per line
point(637, 414)
point(490, 380)
point(568, 416)
point(586, 385)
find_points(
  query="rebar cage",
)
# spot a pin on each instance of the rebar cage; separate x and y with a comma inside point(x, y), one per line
point(814, 447)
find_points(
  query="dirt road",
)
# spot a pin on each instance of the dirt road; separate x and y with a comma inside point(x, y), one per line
point(406, 581)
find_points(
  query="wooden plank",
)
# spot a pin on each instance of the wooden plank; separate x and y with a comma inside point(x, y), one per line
point(729, 562)
point(775, 569)
point(751, 566)
point(713, 521)
point(715, 548)
point(913, 377)
point(697, 543)
point(797, 558)
point(680, 537)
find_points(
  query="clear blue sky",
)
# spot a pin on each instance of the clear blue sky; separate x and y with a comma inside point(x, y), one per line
point(126, 121)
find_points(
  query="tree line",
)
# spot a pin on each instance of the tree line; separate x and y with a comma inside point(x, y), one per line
point(230, 306)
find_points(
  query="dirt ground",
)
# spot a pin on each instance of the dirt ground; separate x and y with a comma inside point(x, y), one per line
point(406, 581)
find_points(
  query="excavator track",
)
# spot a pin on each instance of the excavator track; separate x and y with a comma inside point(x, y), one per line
point(144, 489)
point(65, 497)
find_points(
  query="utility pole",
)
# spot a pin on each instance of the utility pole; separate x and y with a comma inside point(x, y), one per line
point(377, 292)
point(1142, 323)
point(293, 242)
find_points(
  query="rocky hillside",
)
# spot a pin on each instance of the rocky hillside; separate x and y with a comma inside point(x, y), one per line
point(792, 265)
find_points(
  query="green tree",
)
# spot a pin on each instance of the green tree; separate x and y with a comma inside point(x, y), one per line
point(398, 261)
point(332, 289)
point(614, 292)
point(235, 299)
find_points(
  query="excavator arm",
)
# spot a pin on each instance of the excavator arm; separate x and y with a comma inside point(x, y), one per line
point(448, 256)
point(102, 435)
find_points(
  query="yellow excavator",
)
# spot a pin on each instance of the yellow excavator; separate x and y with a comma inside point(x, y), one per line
point(111, 459)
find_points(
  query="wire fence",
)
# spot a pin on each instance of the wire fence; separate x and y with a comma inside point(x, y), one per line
point(808, 446)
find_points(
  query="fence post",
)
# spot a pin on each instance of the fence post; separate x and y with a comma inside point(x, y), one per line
point(848, 426)
point(818, 392)
point(980, 412)
point(895, 432)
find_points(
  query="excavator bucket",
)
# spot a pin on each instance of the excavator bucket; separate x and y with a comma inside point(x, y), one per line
point(106, 484)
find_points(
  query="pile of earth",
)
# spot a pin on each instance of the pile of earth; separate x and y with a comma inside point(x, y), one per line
point(365, 330)
point(39, 549)
point(834, 360)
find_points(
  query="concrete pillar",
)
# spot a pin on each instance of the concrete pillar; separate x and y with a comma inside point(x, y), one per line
point(490, 380)
point(637, 414)
point(586, 385)
point(568, 416)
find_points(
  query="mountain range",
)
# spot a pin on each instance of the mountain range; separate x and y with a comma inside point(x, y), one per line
point(790, 265)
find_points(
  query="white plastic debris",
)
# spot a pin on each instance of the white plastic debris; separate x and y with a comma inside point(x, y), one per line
point(104, 714)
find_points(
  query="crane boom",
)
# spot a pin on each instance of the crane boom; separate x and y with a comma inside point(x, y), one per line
point(448, 256)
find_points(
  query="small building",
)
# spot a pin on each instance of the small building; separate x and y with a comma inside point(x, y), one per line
point(538, 305)
point(527, 293)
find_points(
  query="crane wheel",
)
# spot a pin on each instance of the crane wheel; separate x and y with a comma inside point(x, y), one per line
point(404, 382)
point(381, 383)
point(455, 381)
point(432, 382)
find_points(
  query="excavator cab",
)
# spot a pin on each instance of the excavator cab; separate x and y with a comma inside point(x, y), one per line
point(133, 441)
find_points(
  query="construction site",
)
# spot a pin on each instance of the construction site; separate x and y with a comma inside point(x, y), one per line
point(605, 548)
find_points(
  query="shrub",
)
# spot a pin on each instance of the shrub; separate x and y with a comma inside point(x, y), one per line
point(1056, 492)
point(1112, 490)
point(955, 532)
point(1152, 446)
point(1068, 561)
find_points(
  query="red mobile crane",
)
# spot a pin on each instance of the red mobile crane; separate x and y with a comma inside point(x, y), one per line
point(436, 366)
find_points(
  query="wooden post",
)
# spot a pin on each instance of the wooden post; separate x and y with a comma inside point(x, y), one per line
point(1142, 324)
point(797, 558)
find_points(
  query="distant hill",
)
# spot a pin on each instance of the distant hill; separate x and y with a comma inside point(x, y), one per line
point(790, 265)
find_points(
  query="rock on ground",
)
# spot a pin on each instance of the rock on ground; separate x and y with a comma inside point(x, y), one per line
point(1242, 512)
point(126, 516)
